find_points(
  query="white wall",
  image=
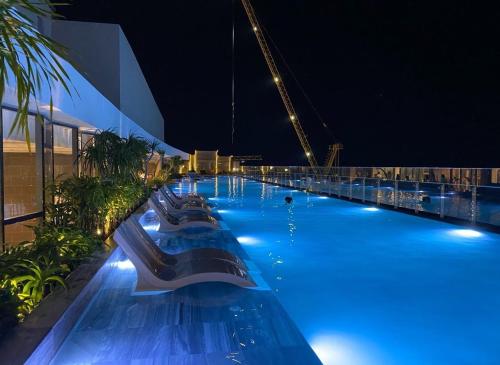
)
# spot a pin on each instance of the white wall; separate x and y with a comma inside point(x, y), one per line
point(87, 108)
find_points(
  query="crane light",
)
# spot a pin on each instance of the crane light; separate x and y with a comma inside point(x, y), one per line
point(254, 29)
point(276, 79)
point(292, 117)
point(308, 154)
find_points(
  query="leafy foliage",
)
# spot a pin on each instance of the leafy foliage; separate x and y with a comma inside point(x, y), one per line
point(115, 158)
point(31, 57)
point(83, 209)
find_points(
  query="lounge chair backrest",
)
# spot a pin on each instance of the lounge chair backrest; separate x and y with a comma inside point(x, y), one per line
point(172, 192)
point(158, 205)
point(143, 245)
point(167, 196)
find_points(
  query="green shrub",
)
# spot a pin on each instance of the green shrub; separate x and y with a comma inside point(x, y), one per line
point(92, 204)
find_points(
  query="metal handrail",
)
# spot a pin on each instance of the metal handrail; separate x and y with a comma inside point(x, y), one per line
point(454, 200)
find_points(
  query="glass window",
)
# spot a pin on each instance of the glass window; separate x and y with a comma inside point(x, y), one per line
point(64, 152)
point(20, 231)
point(22, 166)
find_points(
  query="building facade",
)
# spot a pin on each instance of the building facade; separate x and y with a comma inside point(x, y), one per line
point(111, 94)
point(210, 162)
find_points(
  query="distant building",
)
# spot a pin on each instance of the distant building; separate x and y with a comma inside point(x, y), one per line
point(210, 162)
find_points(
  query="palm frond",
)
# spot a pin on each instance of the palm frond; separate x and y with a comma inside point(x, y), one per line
point(31, 58)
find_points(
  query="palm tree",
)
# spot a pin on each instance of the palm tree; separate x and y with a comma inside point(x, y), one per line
point(162, 156)
point(114, 157)
point(174, 163)
point(153, 145)
point(28, 58)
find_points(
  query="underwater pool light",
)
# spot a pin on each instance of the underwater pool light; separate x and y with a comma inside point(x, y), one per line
point(124, 265)
point(322, 197)
point(222, 211)
point(466, 233)
point(336, 349)
point(371, 209)
point(247, 240)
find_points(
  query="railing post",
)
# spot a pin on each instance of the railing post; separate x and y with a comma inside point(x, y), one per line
point(441, 210)
point(363, 190)
point(378, 191)
point(417, 190)
point(395, 202)
point(350, 187)
point(473, 216)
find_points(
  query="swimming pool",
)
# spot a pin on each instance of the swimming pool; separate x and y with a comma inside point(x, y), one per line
point(367, 285)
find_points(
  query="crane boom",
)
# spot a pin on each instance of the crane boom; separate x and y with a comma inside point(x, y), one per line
point(279, 83)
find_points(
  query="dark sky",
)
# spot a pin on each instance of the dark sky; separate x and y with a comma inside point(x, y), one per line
point(409, 83)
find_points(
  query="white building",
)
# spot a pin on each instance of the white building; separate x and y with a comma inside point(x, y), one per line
point(111, 93)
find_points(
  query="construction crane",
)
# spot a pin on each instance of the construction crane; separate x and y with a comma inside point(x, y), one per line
point(334, 150)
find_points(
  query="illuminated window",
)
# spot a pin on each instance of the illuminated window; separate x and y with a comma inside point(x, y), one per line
point(22, 168)
point(64, 152)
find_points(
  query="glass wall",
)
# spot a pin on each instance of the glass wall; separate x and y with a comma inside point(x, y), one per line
point(27, 169)
point(65, 152)
point(22, 176)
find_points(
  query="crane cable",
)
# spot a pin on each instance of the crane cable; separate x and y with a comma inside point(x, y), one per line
point(232, 80)
point(301, 88)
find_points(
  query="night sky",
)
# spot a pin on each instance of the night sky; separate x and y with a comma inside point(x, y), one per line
point(409, 83)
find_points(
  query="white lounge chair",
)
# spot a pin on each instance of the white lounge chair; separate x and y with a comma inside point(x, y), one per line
point(184, 198)
point(182, 204)
point(157, 270)
point(174, 222)
point(181, 207)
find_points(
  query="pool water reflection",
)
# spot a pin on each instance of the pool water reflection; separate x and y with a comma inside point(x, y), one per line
point(367, 285)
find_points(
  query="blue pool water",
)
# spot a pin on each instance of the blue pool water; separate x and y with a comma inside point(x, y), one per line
point(368, 286)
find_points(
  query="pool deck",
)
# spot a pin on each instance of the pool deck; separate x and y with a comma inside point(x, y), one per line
point(203, 324)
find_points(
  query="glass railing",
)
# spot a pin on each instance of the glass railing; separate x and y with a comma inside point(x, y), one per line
point(471, 195)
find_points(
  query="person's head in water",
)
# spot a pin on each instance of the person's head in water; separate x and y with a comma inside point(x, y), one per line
point(288, 199)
